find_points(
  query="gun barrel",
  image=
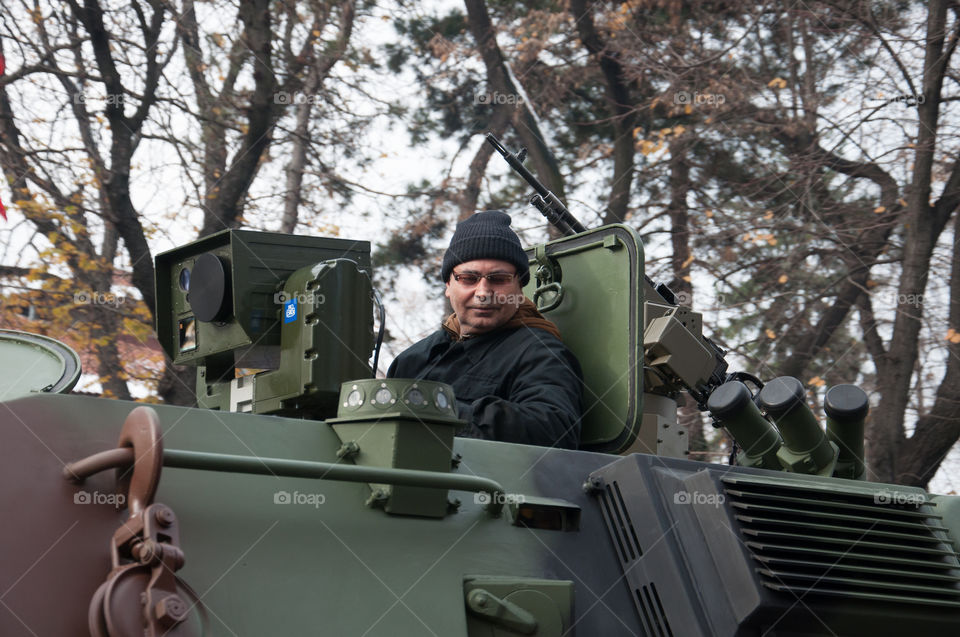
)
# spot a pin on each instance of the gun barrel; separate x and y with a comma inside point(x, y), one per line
point(515, 163)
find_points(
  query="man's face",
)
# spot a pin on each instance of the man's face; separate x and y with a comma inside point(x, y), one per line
point(482, 306)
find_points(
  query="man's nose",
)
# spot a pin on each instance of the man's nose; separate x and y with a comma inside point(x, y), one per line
point(483, 290)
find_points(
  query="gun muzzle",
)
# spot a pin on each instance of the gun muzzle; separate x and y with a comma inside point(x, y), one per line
point(732, 406)
point(847, 407)
point(805, 445)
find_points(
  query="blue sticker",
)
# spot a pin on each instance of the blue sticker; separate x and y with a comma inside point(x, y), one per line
point(290, 311)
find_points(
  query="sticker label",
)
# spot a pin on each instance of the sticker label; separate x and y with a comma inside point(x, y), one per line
point(290, 311)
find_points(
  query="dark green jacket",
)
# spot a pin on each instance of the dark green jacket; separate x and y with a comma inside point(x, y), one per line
point(514, 385)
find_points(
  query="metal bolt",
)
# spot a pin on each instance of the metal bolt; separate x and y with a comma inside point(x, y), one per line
point(170, 611)
point(481, 600)
point(377, 498)
point(593, 484)
point(145, 552)
point(348, 449)
point(165, 516)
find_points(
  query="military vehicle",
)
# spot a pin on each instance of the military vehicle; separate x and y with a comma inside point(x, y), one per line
point(303, 496)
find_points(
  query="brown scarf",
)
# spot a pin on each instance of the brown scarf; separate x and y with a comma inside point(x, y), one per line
point(527, 316)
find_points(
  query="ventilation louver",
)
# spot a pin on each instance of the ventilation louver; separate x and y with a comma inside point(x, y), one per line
point(880, 546)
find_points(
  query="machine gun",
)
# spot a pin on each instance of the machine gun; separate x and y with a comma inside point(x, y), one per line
point(545, 201)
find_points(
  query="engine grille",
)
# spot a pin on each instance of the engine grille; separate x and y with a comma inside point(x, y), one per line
point(864, 543)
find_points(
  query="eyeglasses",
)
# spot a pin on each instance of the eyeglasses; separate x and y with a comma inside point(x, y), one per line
point(472, 279)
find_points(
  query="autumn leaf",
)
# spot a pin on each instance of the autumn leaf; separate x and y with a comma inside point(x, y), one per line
point(880, 209)
point(686, 262)
point(770, 333)
point(777, 83)
point(647, 146)
point(783, 278)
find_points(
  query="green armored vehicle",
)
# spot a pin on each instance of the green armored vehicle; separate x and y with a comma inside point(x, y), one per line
point(309, 498)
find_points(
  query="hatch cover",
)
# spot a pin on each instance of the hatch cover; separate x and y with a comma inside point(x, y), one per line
point(34, 363)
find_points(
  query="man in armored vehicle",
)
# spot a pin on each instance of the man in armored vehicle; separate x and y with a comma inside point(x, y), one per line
point(514, 379)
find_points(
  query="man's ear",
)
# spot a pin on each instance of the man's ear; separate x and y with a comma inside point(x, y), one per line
point(446, 292)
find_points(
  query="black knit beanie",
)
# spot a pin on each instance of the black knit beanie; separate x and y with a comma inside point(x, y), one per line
point(486, 235)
